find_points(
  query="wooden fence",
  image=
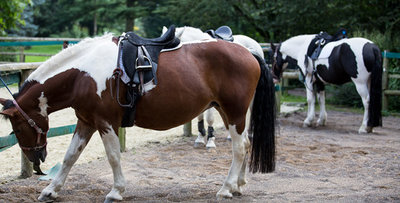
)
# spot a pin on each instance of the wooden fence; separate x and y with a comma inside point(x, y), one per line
point(386, 76)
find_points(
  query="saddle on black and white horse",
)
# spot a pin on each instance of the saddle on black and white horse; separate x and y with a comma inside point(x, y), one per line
point(323, 38)
point(137, 65)
point(224, 32)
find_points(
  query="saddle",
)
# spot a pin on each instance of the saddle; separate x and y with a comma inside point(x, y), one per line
point(138, 58)
point(224, 32)
point(323, 38)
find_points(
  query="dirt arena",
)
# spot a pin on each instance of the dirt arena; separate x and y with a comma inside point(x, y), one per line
point(326, 164)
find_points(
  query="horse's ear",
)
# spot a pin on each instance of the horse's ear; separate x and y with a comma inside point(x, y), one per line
point(273, 47)
point(3, 101)
point(8, 112)
point(164, 29)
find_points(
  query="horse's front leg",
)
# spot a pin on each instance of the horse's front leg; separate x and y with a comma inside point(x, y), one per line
point(239, 152)
point(310, 103)
point(322, 112)
point(112, 147)
point(81, 137)
point(199, 142)
point(210, 130)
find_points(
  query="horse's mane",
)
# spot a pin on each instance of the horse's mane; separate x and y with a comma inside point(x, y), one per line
point(51, 66)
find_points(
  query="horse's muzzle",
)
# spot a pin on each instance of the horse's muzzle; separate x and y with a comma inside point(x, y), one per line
point(35, 157)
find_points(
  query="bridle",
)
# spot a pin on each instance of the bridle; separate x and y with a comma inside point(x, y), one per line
point(38, 130)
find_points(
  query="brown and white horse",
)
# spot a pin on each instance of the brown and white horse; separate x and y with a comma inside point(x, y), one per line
point(190, 79)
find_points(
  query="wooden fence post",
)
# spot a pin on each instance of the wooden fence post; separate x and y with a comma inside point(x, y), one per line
point(187, 129)
point(385, 81)
point(122, 138)
point(21, 54)
point(26, 165)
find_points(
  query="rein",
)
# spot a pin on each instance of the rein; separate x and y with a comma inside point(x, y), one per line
point(32, 123)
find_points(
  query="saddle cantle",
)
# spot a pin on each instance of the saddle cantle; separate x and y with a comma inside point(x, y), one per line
point(224, 32)
point(138, 58)
point(323, 38)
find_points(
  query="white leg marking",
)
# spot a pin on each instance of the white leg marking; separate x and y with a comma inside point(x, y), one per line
point(200, 140)
point(78, 143)
point(239, 151)
point(43, 105)
point(311, 105)
point(322, 112)
point(363, 91)
point(211, 143)
point(112, 147)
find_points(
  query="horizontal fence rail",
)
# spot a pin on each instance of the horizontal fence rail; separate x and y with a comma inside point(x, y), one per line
point(10, 140)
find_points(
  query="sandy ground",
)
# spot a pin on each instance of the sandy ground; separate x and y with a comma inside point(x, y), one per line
point(57, 146)
point(325, 164)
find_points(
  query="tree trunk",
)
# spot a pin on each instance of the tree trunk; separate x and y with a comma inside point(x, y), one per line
point(130, 19)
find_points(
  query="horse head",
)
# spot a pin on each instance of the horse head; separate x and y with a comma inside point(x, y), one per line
point(277, 62)
point(30, 128)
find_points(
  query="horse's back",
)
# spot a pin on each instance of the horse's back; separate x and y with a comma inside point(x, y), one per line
point(193, 77)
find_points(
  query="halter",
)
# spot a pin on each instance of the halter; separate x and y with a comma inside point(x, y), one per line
point(32, 123)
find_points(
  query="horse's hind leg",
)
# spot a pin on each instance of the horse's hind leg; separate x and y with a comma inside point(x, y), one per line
point(363, 91)
point(310, 103)
point(235, 177)
point(322, 112)
point(112, 147)
point(199, 142)
point(210, 129)
point(81, 137)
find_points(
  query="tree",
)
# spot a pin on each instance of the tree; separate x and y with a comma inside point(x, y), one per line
point(10, 13)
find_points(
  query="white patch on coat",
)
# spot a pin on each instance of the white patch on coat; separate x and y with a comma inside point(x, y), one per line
point(43, 105)
point(95, 56)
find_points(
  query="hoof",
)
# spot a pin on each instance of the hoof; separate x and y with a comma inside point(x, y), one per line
point(307, 124)
point(112, 196)
point(229, 138)
point(47, 196)
point(211, 143)
point(224, 194)
point(321, 123)
point(199, 142)
point(365, 129)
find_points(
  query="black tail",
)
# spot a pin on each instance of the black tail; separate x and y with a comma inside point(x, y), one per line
point(263, 118)
point(375, 92)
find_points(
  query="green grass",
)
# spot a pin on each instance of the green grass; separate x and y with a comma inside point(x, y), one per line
point(49, 49)
point(292, 98)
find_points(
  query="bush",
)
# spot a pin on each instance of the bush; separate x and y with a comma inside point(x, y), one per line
point(345, 95)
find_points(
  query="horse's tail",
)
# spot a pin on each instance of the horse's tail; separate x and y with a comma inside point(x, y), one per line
point(375, 92)
point(263, 123)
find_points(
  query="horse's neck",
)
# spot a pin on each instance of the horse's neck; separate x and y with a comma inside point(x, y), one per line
point(55, 94)
point(296, 47)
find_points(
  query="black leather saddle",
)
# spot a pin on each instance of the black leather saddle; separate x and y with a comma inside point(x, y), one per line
point(323, 38)
point(224, 32)
point(138, 56)
point(141, 54)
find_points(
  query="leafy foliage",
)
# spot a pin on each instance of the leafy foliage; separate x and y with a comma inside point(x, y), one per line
point(10, 13)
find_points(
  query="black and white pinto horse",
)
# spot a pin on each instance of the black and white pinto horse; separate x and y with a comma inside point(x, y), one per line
point(349, 59)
